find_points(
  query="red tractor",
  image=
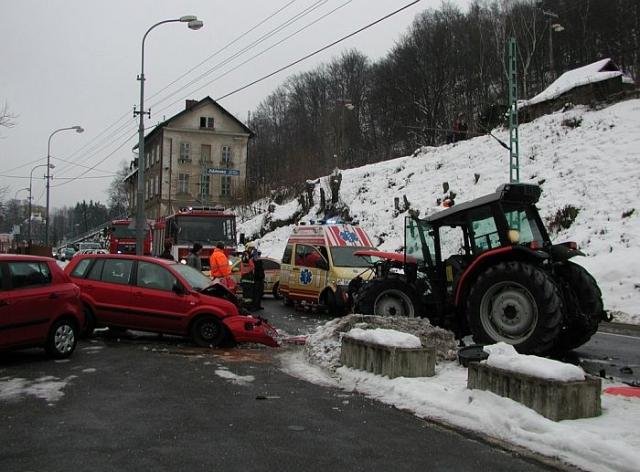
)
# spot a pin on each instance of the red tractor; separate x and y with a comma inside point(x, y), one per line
point(488, 268)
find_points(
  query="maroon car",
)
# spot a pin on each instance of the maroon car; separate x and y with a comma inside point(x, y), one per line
point(39, 305)
point(148, 294)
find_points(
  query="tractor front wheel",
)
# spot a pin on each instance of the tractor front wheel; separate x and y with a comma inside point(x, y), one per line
point(387, 297)
point(517, 303)
point(586, 307)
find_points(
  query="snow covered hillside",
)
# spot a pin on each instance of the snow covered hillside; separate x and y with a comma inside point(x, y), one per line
point(589, 159)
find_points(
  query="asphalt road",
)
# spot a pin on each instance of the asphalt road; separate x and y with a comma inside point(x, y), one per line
point(159, 403)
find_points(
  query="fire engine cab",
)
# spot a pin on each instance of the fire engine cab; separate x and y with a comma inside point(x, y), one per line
point(204, 225)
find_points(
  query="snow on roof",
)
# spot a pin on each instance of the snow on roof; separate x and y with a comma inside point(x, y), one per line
point(596, 72)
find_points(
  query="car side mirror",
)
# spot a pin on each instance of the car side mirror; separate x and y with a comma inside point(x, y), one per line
point(322, 264)
point(178, 289)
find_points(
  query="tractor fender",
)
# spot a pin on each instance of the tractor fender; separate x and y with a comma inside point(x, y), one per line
point(491, 257)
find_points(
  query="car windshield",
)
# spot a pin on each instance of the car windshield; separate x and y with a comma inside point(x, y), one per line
point(123, 231)
point(343, 256)
point(194, 277)
point(208, 230)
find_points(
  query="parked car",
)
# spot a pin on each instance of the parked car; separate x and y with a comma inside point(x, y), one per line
point(271, 274)
point(66, 253)
point(90, 251)
point(158, 295)
point(39, 305)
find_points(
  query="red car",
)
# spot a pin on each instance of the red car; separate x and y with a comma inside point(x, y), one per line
point(149, 294)
point(39, 305)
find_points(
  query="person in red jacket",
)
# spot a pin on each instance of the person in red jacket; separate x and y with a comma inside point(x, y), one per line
point(219, 263)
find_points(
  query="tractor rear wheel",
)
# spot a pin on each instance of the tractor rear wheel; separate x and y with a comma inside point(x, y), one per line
point(387, 297)
point(586, 303)
point(517, 303)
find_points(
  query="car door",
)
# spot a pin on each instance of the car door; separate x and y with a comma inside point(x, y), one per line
point(158, 307)
point(26, 305)
point(108, 285)
point(306, 278)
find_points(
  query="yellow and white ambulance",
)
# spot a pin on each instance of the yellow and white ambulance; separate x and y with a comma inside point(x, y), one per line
point(319, 262)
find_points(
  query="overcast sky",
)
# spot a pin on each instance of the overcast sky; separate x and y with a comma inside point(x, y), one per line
point(75, 62)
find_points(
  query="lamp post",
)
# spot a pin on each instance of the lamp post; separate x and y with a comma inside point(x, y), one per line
point(77, 129)
point(49, 167)
point(557, 27)
point(194, 24)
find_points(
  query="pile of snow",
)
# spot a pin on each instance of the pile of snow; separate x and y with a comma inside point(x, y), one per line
point(609, 442)
point(504, 356)
point(386, 337)
point(593, 167)
point(323, 346)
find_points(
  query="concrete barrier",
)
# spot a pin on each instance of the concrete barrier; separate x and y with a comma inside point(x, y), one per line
point(387, 360)
point(553, 399)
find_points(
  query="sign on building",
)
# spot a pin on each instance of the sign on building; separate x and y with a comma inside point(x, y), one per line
point(214, 171)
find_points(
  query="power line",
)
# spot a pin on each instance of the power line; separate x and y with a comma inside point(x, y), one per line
point(223, 48)
point(317, 51)
point(261, 52)
point(261, 39)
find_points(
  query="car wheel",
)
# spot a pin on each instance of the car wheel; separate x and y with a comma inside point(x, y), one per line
point(276, 291)
point(517, 303)
point(62, 339)
point(208, 331)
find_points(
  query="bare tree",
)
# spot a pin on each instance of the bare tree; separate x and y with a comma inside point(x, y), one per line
point(7, 119)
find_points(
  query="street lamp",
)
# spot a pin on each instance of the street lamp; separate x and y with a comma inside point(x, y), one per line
point(15, 196)
point(77, 129)
point(194, 24)
point(553, 27)
point(49, 167)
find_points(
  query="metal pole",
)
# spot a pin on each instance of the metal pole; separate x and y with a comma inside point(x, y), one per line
point(514, 152)
point(140, 213)
point(78, 129)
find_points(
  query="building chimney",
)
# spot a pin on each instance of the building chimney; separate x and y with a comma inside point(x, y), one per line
point(190, 104)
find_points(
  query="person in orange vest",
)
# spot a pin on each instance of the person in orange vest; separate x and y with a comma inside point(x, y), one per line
point(219, 263)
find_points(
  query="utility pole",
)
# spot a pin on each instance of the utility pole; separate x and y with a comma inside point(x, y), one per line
point(514, 151)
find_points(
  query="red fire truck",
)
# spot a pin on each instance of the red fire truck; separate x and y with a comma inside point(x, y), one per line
point(204, 225)
point(121, 237)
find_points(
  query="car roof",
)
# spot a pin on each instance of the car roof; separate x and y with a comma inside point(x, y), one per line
point(24, 258)
point(127, 257)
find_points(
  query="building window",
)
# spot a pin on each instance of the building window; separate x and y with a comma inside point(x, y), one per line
point(226, 155)
point(205, 153)
point(225, 186)
point(204, 186)
point(183, 183)
point(185, 152)
point(206, 122)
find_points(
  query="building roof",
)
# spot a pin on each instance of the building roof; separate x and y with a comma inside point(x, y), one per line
point(204, 101)
point(603, 69)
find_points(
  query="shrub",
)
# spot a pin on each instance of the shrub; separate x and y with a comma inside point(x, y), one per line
point(563, 219)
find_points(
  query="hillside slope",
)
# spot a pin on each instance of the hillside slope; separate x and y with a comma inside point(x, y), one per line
point(589, 159)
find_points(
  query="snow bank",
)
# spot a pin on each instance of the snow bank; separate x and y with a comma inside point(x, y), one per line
point(386, 337)
point(504, 356)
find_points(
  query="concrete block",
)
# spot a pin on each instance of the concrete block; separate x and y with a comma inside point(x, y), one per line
point(386, 360)
point(553, 399)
